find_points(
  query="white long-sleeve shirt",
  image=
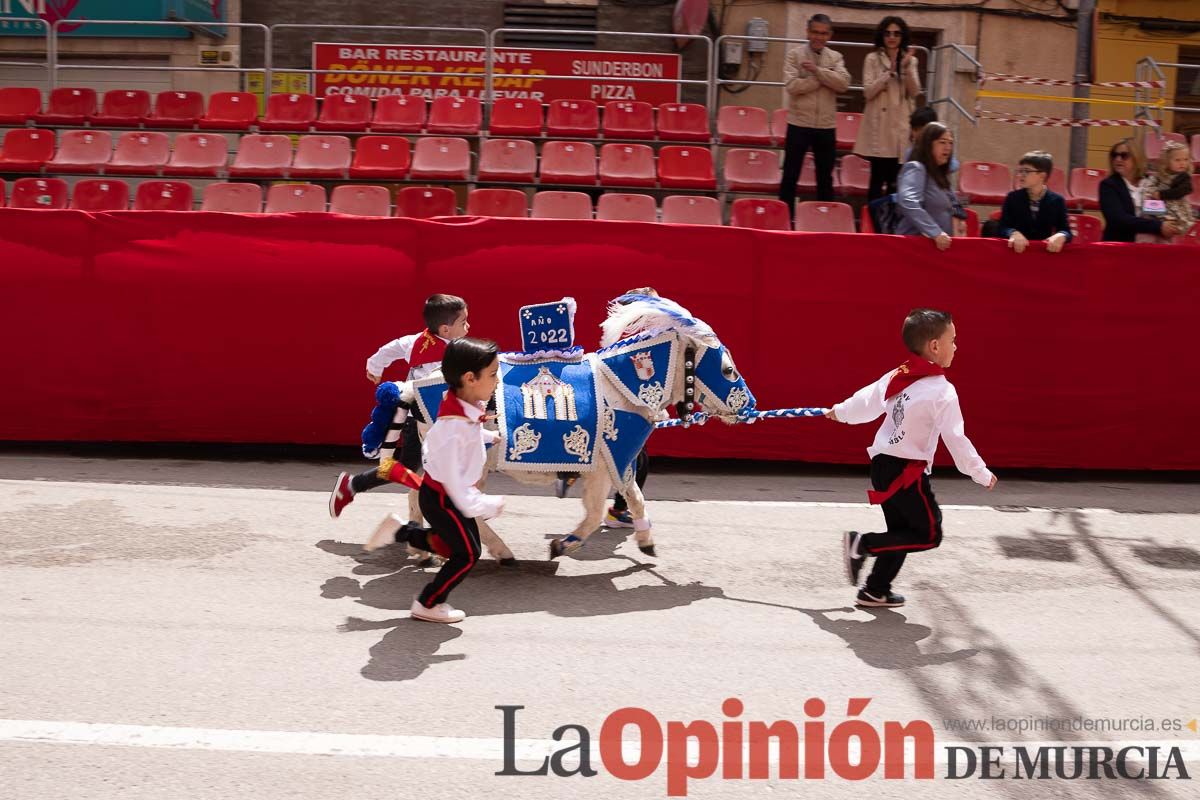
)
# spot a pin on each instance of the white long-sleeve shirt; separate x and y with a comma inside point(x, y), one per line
point(916, 416)
point(400, 350)
point(453, 455)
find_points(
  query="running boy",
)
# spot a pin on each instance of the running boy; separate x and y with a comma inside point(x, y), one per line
point(920, 405)
point(445, 319)
point(453, 457)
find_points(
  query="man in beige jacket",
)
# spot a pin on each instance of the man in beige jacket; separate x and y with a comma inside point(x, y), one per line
point(813, 77)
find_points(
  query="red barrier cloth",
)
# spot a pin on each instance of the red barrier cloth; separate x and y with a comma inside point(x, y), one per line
point(203, 327)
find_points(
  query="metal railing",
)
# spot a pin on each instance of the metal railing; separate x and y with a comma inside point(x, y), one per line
point(1145, 107)
point(944, 93)
point(52, 48)
point(45, 64)
point(718, 81)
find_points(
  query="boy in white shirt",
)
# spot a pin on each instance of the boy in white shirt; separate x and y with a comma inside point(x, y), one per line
point(453, 457)
point(445, 319)
point(920, 405)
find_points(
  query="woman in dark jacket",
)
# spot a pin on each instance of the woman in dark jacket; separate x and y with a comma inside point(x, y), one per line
point(1121, 197)
point(1033, 213)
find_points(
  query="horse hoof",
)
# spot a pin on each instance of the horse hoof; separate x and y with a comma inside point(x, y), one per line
point(556, 548)
point(648, 549)
point(508, 562)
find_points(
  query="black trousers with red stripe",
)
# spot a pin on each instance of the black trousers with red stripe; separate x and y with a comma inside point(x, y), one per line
point(914, 522)
point(458, 540)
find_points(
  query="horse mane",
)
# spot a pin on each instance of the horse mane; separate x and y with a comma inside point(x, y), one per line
point(632, 314)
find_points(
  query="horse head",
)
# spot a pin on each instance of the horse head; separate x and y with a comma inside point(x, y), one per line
point(708, 370)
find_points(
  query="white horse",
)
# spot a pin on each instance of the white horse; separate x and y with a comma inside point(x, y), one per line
point(701, 371)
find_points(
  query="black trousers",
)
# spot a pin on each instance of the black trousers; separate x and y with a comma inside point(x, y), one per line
point(641, 470)
point(884, 172)
point(458, 541)
point(823, 142)
point(409, 456)
point(914, 522)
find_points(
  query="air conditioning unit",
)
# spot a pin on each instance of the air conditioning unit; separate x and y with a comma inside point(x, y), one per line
point(224, 55)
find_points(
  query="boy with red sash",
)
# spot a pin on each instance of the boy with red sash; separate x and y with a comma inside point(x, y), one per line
point(919, 405)
point(445, 319)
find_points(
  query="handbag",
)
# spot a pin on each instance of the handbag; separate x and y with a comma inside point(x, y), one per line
point(885, 216)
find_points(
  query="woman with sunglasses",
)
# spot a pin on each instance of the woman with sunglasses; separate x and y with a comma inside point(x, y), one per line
point(890, 86)
point(1121, 197)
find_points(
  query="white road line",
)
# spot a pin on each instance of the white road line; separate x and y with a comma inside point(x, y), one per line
point(394, 746)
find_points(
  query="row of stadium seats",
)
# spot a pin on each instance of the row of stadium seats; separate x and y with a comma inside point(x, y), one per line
point(458, 116)
point(988, 182)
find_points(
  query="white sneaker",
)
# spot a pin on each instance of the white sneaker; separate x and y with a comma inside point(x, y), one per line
point(442, 612)
point(385, 534)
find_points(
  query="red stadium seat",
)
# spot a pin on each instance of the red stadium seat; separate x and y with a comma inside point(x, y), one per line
point(573, 118)
point(819, 217)
point(1192, 237)
point(683, 122)
point(1195, 150)
point(807, 181)
point(26, 150)
point(81, 151)
point(344, 112)
point(361, 201)
point(1194, 197)
point(561, 205)
point(752, 170)
point(423, 202)
point(1085, 187)
point(3, 193)
point(321, 156)
point(743, 125)
point(381, 157)
point(289, 112)
point(100, 195)
point(496, 203)
point(627, 165)
point(569, 162)
point(847, 129)
point(865, 224)
point(46, 193)
point(627, 208)
point(230, 111)
point(691, 210)
point(233, 198)
point(757, 212)
point(122, 108)
point(199, 154)
point(399, 113)
point(984, 181)
point(288, 198)
point(163, 196)
point(19, 104)
point(779, 125)
point(683, 167)
point(139, 153)
point(507, 160)
point(972, 224)
point(68, 106)
point(1154, 142)
point(176, 110)
point(1085, 229)
point(855, 175)
point(262, 154)
point(515, 118)
point(441, 158)
point(458, 116)
point(628, 120)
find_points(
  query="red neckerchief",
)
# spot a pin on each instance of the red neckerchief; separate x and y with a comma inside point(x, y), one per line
point(427, 349)
point(909, 373)
point(453, 407)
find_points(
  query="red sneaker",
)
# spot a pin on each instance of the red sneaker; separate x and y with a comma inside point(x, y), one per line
point(342, 495)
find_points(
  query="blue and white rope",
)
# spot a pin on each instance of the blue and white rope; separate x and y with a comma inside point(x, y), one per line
point(748, 417)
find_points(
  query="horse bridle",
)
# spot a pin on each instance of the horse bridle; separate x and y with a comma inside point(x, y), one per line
point(683, 409)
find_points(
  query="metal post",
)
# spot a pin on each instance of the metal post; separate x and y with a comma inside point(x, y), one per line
point(1086, 18)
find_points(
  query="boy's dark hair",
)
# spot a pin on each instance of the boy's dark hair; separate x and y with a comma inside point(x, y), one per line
point(820, 19)
point(922, 117)
point(466, 355)
point(904, 34)
point(1038, 160)
point(442, 309)
point(923, 324)
point(923, 152)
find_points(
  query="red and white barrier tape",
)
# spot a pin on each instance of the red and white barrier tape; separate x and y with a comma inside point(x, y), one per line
point(1061, 122)
point(1002, 78)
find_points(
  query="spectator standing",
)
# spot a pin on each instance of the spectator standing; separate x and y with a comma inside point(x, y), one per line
point(890, 86)
point(813, 77)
